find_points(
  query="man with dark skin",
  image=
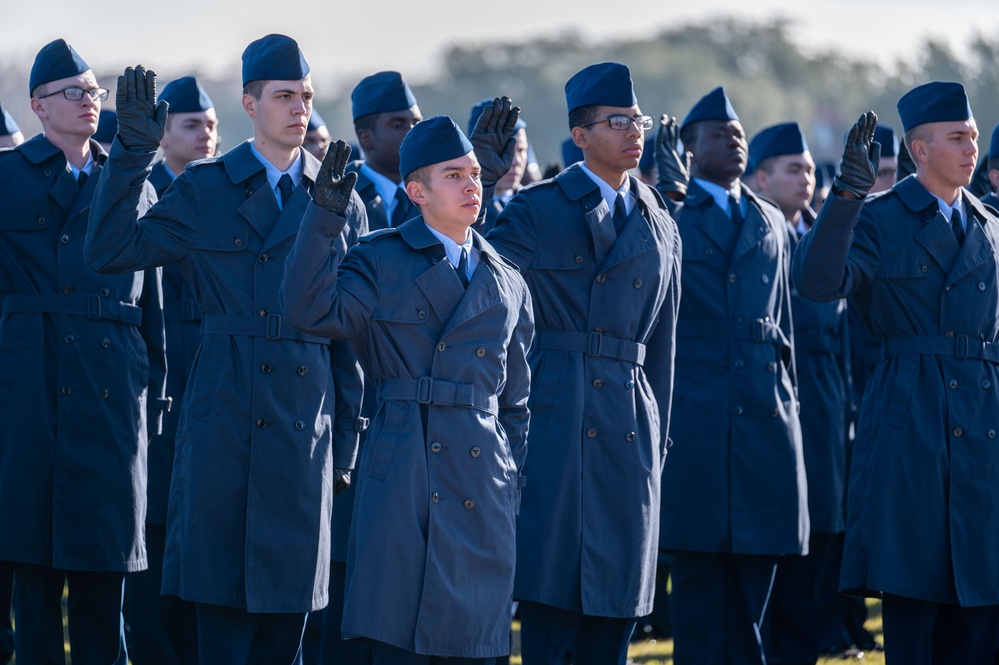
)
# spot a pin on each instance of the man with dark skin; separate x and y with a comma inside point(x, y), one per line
point(734, 494)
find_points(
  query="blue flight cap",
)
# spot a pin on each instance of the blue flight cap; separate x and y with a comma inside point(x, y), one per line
point(713, 106)
point(994, 145)
point(274, 58)
point(381, 93)
point(936, 101)
point(602, 84)
point(107, 127)
point(885, 135)
point(571, 153)
point(431, 141)
point(185, 95)
point(774, 141)
point(57, 60)
point(315, 121)
point(7, 124)
point(824, 174)
point(648, 159)
point(477, 113)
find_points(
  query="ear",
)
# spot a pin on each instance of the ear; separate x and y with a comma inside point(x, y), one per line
point(250, 105)
point(366, 141)
point(760, 182)
point(918, 151)
point(579, 138)
point(38, 106)
point(417, 192)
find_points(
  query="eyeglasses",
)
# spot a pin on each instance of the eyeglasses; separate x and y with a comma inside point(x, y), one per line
point(623, 122)
point(76, 94)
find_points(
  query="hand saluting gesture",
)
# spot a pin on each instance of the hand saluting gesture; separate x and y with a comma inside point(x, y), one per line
point(858, 169)
point(141, 121)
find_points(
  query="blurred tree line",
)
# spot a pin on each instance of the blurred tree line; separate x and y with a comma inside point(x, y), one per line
point(769, 77)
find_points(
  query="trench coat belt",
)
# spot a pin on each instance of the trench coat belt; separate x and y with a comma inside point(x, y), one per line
point(761, 331)
point(185, 310)
point(818, 341)
point(958, 346)
point(92, 307)
point(592, 344)
point(272, 326)
point(427, 390)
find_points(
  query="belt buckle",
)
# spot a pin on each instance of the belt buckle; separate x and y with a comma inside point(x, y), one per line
point(93, 307)
point(361, 423)
point(273, 326)
point(424, 390)
point(961, 346)
point(595, 344)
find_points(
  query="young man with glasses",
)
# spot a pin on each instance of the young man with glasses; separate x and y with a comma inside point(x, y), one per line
point(601, 256)
point(83, 381)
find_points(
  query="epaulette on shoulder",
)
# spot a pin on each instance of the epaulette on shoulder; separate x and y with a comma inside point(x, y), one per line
point(878, 195)
point(198, 163)
point(377, 235)
point(539, 183)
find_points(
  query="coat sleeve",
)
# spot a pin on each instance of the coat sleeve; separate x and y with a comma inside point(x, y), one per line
point(514, 236)
point(314, 297)
point(839, 255)
point(513, 413)
point(121, 235)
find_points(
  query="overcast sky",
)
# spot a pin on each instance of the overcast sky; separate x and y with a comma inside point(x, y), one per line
point(354, 38)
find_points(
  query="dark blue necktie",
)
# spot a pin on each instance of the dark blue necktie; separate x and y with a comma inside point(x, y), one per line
point(736, 211)
point(620, 214)
point(81, 179)
point(958, 228)
point(285, 186)
point(462, 268)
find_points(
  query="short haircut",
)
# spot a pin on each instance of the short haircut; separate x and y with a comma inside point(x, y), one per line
point(582, 115)
point(767, 165)
point(917, 133)
point(254, 89)
point(420, 175)
point(367, 122)
point(40, 90)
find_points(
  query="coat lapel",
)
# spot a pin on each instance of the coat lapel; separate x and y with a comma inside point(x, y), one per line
point(290, 218)
point(976, 248)
point(636, 236)
point(482, 293)
point(439, 283)
point(936, 236)
point(755, 229)
point(577, 186)
point(714, 224)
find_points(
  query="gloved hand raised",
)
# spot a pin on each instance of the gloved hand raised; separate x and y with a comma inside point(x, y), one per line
point(333, 187)
point(341, 481)
point(858, 169)
point(674, 169)
point(141, 120)
point(492, 139)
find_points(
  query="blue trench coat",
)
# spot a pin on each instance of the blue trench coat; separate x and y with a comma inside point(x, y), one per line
point(84, 359)
point(431, 560)
point(603, 375)
point(735, 479)
point(923, 506)
point(250, 499)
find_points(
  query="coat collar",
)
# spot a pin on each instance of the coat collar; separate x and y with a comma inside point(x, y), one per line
point(241, 164)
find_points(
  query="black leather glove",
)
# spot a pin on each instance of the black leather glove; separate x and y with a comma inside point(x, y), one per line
point(858, 169)
point(141, 120)
point(333, 187)
point(674, 169)
point(492, 139)
point(341, 481)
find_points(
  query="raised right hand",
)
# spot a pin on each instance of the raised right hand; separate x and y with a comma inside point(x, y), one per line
point(141, 120)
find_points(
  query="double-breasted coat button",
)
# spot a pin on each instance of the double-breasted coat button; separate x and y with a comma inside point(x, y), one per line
point(638, 283)
point(986, 384)
point(66, 390)
point(738, 410)
point(435, 446)
point(949, 333)
point(421, 314)
point(105, 342)
point(435, 497)
point(475, 452)
point(261, 423)
point(579, 259)
point(592, 433)
point(238, 242)
point(992, 434)
point(630, 436)
point(923, 267)
point(441, 346)
point(629, 384)
point(302, 370)
point(264, 312)
point(480, 352)
point(67, 289)
point(69, 339)
point(263, 258)
point(981, 286)
point(765, 279)
point(598, 383)
point(601, 278)
point(105, 393)
point(599, 330)
point(771, 367)
point(48, 172)
point(739, 364)
point(958, 431)
point(709, 251)
point(732, 278)
point(41, 220)
point(265, 368)
point(300, 425)
point(105, 292)
point(64, 240)
point(774, 413)
point(469, 504)
point(952, 384)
